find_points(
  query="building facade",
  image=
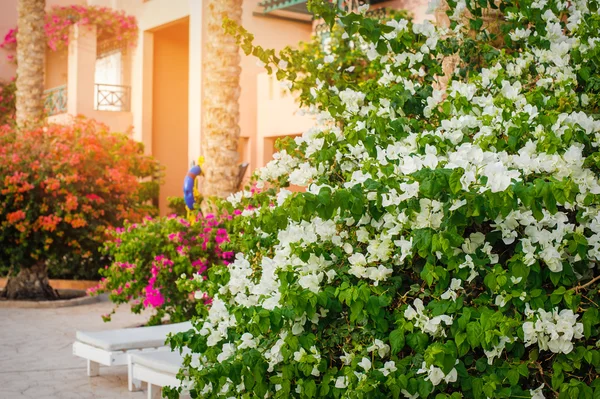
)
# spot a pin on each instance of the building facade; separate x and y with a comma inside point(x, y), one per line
point(155, 88)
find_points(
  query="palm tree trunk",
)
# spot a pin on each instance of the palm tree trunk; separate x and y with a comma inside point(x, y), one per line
point(31, 48)
point(30, 283)
point(221, 131)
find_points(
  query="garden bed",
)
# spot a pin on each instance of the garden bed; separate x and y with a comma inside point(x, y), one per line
point(68, 297)
point(63, 284)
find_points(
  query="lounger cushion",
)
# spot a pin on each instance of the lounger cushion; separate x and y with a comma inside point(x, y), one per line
point(164, 362)
point(131, 338)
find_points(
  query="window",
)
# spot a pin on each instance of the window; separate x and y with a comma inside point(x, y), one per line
point(110, 94)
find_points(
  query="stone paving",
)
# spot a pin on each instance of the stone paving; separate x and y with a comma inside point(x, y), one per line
point(36, 359)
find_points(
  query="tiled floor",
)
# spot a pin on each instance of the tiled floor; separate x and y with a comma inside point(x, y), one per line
point(36, 358)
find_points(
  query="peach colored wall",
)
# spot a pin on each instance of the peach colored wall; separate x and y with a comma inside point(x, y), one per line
point(418, 8)
point(170, 107)
point(277, 116)
point(117, 121)
point(269, 33)
point(57, 65)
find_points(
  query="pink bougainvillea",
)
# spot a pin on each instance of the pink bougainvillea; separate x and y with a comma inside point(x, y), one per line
point(111, 24)
point(151, 257)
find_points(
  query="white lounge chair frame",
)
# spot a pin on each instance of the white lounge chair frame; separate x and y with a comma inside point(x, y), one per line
point(97, 356)
point(139, 373)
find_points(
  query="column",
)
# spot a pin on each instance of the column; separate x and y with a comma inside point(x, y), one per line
point(141, 89)
point(81, 70)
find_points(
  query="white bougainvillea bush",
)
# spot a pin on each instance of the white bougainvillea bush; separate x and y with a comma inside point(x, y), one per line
point(448, 241)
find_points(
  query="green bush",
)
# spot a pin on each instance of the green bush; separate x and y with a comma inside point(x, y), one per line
point(448, 240)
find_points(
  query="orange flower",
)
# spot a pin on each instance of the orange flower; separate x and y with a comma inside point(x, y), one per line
point(15, 216)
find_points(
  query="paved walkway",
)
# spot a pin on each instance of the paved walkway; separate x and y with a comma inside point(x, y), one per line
point(36, 359)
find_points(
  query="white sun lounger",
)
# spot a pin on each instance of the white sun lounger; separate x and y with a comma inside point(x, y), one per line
point(157, 369)
point(111, 347)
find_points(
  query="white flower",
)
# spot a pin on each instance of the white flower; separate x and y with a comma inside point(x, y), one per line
point(499, 177)
point(382, 349)
point(436, 375)
point(226, 352)
point(497, 350)
point(388, 367)
point(353, 100)
point(455, 285)
point(365, 364)
point(328, 59)
point(248, 341)
point(341, 382)
point(282, 196)
point(537, 393)
point(347, 358)
point(357, 259)
point(282, 64)
point(408, 395)
point(379, 273)
point(311, 282)
point(553, 331)
point(511, 91)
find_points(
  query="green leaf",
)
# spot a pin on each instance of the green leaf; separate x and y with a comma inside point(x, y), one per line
point(310, 388)
point(513, 376)
point(397, 340)
point(474, 334)
point(454, 180)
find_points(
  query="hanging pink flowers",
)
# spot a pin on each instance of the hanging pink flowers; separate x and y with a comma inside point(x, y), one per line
point(112, 25)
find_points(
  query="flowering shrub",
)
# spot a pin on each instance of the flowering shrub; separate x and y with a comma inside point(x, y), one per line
point(63, 187)
point(448, 241)
point(150, 257)
point(9, 44)
point(112, 25)
point(7, 102)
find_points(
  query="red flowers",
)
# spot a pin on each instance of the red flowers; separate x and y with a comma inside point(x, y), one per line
point(14, 217)
point(58, 186)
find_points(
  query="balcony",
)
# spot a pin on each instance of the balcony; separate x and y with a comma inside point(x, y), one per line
point(116, 98)
point(55, 100)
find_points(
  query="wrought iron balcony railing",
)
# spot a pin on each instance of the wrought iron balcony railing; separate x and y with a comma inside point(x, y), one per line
point(112, 98)
point(55, 100)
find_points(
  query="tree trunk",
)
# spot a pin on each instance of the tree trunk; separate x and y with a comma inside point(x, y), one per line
point(30, 283)
point(31, 48)
point(221, 131)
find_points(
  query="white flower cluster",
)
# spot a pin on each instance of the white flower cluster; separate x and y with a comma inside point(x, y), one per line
point(436, 375)
point(367, 147)
point(429, 325)
point(217, 324)
point(553, 331)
